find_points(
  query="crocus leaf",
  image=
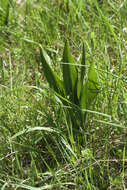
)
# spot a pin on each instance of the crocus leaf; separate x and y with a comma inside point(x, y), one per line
point(69, 72)
point(81, 78)
point(52, 78)
point(78, 87)
point(90, 88)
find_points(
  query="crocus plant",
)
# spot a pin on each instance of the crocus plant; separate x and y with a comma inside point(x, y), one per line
point(76, 91)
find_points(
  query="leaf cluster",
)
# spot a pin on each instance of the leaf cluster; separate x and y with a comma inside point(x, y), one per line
point(73, 91)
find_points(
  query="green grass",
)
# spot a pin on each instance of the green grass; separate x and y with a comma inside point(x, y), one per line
point(37, 146)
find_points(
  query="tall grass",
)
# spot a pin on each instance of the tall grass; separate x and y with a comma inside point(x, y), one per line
point(37, 147)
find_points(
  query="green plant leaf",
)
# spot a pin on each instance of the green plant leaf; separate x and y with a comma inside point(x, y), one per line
point(69, 72)
point(50, 75)
point(79, 84)
point(90, 89)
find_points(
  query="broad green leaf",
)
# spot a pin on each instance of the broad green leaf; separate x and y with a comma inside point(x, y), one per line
point(90, 89)
point(79, 89)
point(69, 72)
point(79, 84)
point(50, 75)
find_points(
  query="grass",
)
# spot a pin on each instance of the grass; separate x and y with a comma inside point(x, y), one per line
point(37, 147)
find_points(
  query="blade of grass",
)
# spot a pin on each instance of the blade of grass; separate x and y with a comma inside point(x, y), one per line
point(45, 187)
point(32, 129)
point(6, 21)
point(83, 62)
point(109, 26)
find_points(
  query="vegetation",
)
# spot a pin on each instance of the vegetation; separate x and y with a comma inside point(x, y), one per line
point(76, 95)
point(45, 140)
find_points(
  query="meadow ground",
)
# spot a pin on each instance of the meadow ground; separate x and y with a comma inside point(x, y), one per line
point(37, 148)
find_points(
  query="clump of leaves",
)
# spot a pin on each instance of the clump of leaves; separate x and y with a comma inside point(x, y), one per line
point(75, 93)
